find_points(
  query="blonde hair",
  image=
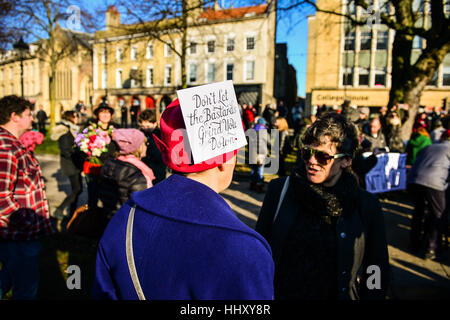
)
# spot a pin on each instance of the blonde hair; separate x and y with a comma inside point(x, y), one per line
point(137, 153)
point(282, 124)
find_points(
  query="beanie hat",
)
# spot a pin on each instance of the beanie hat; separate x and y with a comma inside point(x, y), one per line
point(175, 150)
point(129, 140)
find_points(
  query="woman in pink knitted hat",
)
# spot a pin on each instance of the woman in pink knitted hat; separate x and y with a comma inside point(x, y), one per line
point(126, 173)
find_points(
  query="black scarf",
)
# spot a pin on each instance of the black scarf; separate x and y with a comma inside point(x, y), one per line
point(327, 202)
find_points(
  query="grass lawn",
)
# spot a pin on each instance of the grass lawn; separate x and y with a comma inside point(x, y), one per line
point(48, 146)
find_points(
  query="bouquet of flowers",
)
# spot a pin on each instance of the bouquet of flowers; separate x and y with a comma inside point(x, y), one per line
point(94, 141)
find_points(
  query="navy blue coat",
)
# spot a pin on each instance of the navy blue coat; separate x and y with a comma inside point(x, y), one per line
point(188, 244)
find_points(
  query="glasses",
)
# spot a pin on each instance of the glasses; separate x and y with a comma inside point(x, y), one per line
point(322, 157)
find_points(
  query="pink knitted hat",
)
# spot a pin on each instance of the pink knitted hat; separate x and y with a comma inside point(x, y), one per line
point(129, 140)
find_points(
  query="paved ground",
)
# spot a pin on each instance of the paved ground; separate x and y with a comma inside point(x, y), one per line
point(412, 276)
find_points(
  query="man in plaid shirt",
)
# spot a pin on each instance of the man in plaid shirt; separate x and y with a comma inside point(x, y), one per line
point(24, 211)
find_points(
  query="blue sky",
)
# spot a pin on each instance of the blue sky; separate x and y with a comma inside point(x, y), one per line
point(295, 34)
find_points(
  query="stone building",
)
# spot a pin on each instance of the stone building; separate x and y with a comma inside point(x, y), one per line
point(132, 67)
point(355, 63)
point(73, 76)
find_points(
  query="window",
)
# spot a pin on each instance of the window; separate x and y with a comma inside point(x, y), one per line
point(167, 50)
point(230, 44)
point(119, 78)
point(168, 75)
point(250, 43)
point(2, 75)
point(418, 5)
point(382, 40)
point(365, 41)
point(347, 77)
point(434, 79)
point(134, 77)
point(380, 78)
point(134, 51)
point(417, 43)
point(229, 70)
point(210, 72)
point(193, 48)
point(149, 51)
point(363, 79)
point(104, 78)
point(192, 73)
point(446, 76)
point(250, 70)
point(349, 41)
point(350, 7)
point(149, 76)
point(119, 54)
point(211, 46)
point(11, 73)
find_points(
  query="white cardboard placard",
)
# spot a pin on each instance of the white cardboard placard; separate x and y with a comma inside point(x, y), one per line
point(212, 118)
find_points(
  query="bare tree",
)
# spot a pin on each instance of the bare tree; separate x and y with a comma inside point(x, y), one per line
point(39, 21)
point(404, 16)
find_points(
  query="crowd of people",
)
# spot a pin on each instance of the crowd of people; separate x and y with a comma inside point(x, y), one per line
point(318, 234)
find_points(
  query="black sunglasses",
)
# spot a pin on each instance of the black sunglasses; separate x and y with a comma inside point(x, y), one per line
point(322, 157)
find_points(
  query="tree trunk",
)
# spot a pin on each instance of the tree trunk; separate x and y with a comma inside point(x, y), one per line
point(409, 82)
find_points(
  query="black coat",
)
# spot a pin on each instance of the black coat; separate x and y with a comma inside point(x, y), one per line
point(361, 239)
point(117, 181)
point(153, 157)
point(71, 157)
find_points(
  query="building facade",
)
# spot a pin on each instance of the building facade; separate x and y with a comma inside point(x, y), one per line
point(73, 76)
point(235, 44)
point(354, 63)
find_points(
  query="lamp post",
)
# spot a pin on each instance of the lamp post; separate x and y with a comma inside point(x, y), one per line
point(22, 47)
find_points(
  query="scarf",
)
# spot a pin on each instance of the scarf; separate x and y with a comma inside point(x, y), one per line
point(327, 202)
point(146, 171)
point(74, 129)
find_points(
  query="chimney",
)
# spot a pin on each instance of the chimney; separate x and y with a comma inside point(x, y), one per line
point(112, 17)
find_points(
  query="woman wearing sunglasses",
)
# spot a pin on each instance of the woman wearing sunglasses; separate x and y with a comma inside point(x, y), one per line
point(327, 234)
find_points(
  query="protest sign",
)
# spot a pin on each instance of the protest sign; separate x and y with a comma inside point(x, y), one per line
point(389, 173)
point(212, 118)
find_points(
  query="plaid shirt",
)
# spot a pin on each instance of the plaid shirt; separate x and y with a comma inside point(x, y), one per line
point(24, 212)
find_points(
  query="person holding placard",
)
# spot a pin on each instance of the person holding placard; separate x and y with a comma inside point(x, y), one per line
point(186, 242)
point(326, 233)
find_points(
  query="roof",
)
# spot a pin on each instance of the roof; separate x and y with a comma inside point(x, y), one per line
point(233, 13)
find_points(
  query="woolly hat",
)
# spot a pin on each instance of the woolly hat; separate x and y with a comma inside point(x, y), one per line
point(175, 149)
point(129, 140)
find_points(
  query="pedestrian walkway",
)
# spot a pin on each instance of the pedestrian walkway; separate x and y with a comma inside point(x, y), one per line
point(412, 276)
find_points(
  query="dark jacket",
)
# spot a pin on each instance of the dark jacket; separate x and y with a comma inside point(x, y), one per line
point(361, 239)
point(153, 157)
point(71, 157)
point(118, 180)
point(394, 139)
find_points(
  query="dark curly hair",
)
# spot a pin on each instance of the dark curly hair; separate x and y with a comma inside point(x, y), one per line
point(340, 130)
point(147, 115)
point(13, 104)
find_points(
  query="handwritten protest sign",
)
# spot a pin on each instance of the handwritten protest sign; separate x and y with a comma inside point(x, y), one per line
point(212, 118)
point(389, 173)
